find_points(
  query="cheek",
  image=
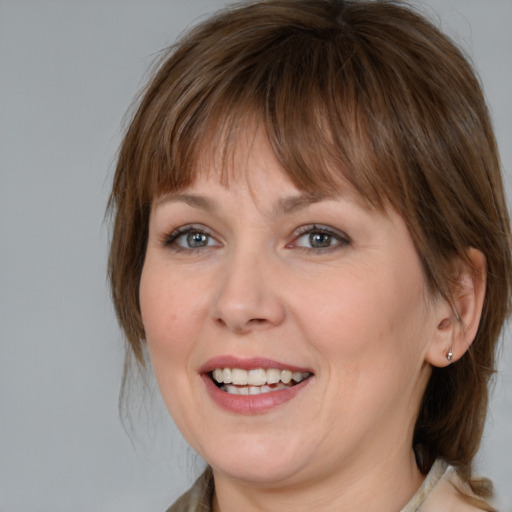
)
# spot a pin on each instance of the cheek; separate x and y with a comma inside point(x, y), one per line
point(171, 322)
point(167, 316)
point(371, 332)
point(370, 315)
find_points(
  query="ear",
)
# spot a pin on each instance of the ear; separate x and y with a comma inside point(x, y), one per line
point(458, 319)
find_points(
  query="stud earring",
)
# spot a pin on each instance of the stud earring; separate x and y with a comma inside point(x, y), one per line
point(449, 355)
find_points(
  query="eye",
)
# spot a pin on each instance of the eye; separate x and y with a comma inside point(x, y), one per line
point(319, 238)
point(190, 238)
point(194, 240)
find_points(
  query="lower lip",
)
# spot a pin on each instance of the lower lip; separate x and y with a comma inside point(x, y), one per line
point(252, 404)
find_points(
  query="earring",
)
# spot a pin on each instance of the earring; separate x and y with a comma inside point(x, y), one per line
point(449, 355)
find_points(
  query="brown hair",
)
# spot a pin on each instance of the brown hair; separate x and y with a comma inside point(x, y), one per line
point(369, 87)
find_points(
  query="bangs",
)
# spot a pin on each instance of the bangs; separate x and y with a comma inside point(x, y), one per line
point(343, 99)
point(312, 105)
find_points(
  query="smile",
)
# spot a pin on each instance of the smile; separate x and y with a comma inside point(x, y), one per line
point(236, 381)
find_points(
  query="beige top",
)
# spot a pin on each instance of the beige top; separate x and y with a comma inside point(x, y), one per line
point(438, 493)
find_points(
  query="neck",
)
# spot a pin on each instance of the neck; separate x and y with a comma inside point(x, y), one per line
point(382, 484)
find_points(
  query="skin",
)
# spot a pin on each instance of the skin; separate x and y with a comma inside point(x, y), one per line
point(356, 313)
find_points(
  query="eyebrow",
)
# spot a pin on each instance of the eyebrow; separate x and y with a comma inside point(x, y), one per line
point(285, 205)
point(194, 200)
point(296, 203)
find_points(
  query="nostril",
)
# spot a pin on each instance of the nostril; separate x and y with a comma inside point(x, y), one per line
point(242, 327)
point(253, 308)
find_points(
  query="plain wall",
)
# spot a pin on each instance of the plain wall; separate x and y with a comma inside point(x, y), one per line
point(68, 72)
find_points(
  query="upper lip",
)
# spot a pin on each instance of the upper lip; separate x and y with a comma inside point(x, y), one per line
point(252, 363)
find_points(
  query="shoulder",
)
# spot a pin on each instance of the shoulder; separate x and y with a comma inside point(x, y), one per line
point(198, 498)
point(450, 494)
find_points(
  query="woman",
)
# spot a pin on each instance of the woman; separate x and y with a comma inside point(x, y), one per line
point(312, 241)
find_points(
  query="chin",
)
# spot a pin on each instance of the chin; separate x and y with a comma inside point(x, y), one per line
point(263, 473)
point(258, 461)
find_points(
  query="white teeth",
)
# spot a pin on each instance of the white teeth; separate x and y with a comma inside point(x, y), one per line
point(239, 377)
point(217, 375)
point(273, 376)
point(251, 390)
point(257, 377)
point(253, 382)
point(286, 376)
point(226, 376)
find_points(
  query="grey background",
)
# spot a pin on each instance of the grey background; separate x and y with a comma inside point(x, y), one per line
point(68, 72)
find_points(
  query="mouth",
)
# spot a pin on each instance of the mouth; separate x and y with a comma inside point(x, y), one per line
point(237, 381)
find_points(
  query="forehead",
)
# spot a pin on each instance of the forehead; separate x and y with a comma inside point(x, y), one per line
point(249, 158)
point(253, 180)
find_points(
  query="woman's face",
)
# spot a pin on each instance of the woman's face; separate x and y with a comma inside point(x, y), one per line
point(260, 282)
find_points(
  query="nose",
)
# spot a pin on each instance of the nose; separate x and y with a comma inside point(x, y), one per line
point(248, 295)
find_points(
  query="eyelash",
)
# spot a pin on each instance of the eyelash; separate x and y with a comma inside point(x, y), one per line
point(339, 237)
point(171, 240)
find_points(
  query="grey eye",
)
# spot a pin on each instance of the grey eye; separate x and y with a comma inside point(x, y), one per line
point(190, 238)
point(320, 240)
point(196, 239)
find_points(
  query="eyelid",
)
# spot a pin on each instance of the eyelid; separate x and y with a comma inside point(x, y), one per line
point(342, 238)
point(170, 239)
